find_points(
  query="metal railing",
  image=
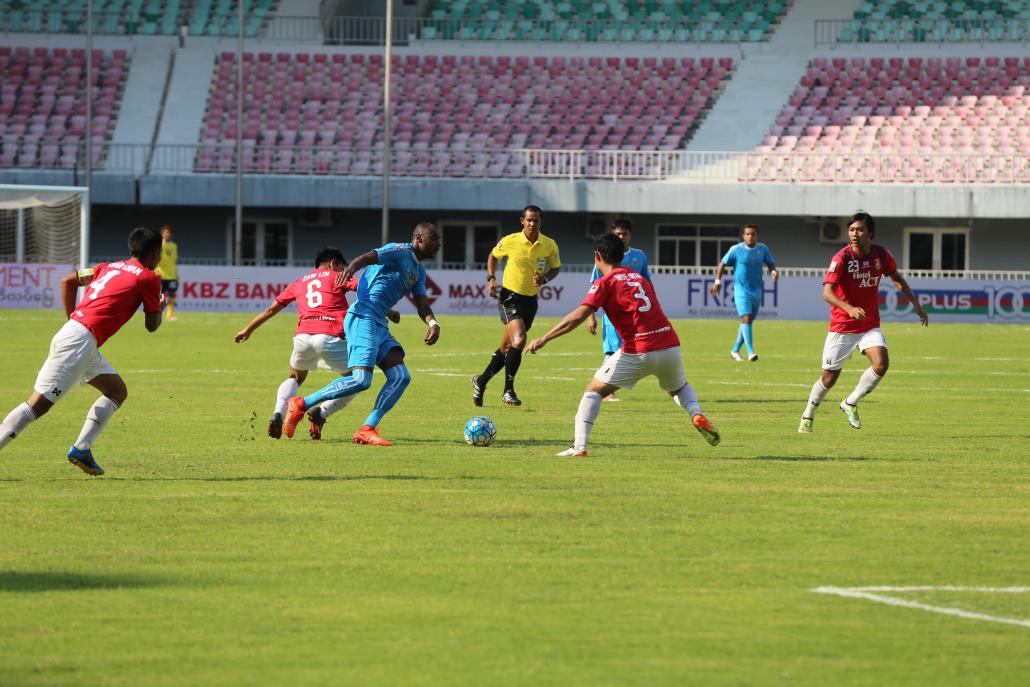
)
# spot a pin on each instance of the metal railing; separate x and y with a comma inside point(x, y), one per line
point(829, 32)
point(779, 167)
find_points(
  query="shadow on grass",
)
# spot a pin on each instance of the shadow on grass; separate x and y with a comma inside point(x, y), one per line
point(800, 459)
point(287, 478)
point(68, 581)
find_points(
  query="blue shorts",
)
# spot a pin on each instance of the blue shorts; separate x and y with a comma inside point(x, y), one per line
point(368, 341)
point(747, 303)
point(611, 341)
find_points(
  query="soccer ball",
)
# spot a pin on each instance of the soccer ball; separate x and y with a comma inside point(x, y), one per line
point(480, 431)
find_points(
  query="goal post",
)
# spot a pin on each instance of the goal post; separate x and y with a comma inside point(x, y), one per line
point(44, 224)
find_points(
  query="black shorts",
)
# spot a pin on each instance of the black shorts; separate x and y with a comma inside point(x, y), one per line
point(169, 286)
point(515, 306)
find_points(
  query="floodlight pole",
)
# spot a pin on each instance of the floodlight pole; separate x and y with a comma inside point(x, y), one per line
point(238, 228)
point(84, 248)
point(388, 59)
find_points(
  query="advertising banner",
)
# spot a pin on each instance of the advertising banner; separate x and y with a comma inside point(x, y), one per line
point(31, 285)
point(464, 292)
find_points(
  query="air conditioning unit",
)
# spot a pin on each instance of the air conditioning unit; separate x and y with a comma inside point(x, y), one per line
point(316, 218)
point(833, 231)
point(598, 223)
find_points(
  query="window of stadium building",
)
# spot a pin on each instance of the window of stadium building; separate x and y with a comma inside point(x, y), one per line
point(265, 241)
point(467, 243)
point(694, 245)
point(936, 249)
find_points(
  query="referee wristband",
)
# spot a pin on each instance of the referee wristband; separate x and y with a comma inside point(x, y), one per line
point(490, 278)
point(433, 323)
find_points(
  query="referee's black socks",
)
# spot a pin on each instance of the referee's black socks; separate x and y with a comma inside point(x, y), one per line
point(495, 365)
point(511, 367)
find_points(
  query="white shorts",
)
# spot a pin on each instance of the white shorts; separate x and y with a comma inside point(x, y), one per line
point(308, 349)
point(73, 359)
point(623, 369)
point(838, 346)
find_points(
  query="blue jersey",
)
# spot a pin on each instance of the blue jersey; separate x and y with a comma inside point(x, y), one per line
point(396, 273)
point(747, 266)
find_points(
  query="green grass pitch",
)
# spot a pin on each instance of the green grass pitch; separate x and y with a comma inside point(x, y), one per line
point(212, 555)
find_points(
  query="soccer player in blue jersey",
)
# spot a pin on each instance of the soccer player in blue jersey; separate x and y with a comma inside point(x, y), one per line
point(746, 258)
point(390, 272)
point(636, 260)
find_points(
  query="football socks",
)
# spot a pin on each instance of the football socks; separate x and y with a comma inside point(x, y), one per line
point(816, 397)
point(686, 398)
point(512, 361)
point(15, 422)
point(496, 365)
point(397, 380)
point(359, 380)
point(96, 419)
point(745, 331)
point(589, 407)
point(287, 390)
point(866, 383)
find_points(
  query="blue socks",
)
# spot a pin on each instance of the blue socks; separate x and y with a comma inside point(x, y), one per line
point(745, 331)
point(359, 381)
point(397, 380)
point(740, 339)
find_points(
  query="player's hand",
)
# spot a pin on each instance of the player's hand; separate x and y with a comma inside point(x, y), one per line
point(775, 275)
point(923, 318)
point(539, 279)
point(592, 325)
point(536, 344)
point(162, 299)
point(344, 277)
point(241, 336)
point(856, 313)
point(495, 289)
point(714, 289)
point(393, 316)
point(432, 335)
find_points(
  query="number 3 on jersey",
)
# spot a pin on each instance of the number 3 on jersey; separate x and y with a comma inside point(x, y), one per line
point(98, 285)
point(313, 294)
point(641, 295)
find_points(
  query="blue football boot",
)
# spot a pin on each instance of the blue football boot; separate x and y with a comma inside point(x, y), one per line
point(84, 461)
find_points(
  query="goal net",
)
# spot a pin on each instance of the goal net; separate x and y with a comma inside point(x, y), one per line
point(44, 224)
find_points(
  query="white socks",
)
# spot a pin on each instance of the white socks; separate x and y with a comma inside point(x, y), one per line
point(335, 405)
point(287, 390)
point(589, 407)
point(686, 398)
point(16, 421)
point(96, 419)
point(816, 397)
point(866, 383)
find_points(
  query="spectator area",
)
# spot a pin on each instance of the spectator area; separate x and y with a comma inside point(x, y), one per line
point(43, 105)
point(611, 20)
point(939, 20)
point(323, 113)
point(147, 17)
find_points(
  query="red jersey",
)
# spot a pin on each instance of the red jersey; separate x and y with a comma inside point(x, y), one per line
point(630, 303)
point(113, 296)
point(321, 305)
point(857, 281)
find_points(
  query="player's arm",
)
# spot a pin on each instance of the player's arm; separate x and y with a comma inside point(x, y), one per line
point(393, 315)
point(831, 297)
point(271, 311)
point(718, 278)
point(356, 265)
point(491, 275)
point(70, 288)
point(567, 324)
point(426, 313)
point(592, 319)
point(902, 285)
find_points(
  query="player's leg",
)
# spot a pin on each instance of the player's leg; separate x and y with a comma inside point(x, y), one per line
point(836, 350)
point(611, 342)
point(173, 286)
point(114, 393)
point(334, 352)
point(873, 346)
point(22, 415)
point(748, 326)
point(391, 362)
point(667, 365)
point(303, 358)
point(618, 371)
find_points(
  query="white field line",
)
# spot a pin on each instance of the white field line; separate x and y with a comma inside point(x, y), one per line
point(864, 593)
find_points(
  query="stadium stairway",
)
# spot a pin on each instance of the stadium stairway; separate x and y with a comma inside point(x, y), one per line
point(141, 103)
point(764, 79)
point(186, 103)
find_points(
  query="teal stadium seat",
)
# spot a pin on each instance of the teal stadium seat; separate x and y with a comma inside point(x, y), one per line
point(942, 20)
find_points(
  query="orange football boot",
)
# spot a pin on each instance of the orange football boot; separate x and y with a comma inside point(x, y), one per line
point(294, 414)
point(367, 434)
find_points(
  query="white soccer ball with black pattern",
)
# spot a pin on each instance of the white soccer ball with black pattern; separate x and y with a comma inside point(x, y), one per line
point(480, 431)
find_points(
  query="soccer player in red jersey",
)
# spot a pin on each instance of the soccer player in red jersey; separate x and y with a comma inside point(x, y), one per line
point(113, 293)
point(321, 307)
point(851, 287)
point(649, 343)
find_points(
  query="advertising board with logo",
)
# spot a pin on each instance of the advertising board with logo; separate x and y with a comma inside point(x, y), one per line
point(31, 285)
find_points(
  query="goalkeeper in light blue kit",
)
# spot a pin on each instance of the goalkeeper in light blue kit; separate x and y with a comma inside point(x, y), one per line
point(747, 259)
point(390, 273)
point(636, 260)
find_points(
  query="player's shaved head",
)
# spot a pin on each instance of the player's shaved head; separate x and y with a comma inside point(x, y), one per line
point(329, 254)
point(143, 242)
point(611, 248)
point(424, 228)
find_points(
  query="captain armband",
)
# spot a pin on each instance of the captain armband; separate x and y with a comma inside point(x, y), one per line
point(84, 274)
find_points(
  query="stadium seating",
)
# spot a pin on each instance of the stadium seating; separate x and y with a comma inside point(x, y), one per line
point(148, 17)
point(939, 20)
point(905, 114)
point(43, 108)
point(453, 115)
point(611, 20)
